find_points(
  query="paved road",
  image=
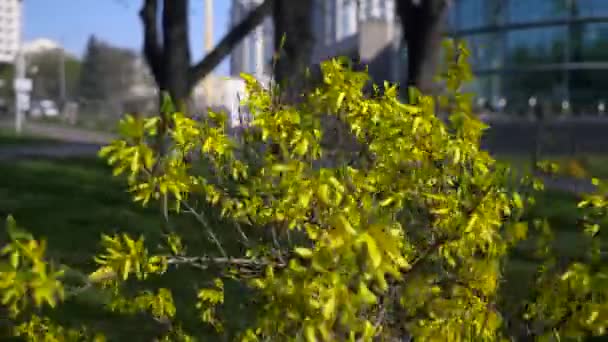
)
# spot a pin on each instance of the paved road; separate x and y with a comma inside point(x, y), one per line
point(60, 150)
point(62, 133)
point(572, 185)
point(90, 150)
point(84, 143)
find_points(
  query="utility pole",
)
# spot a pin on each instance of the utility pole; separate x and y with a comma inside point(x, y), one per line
point(207, 47)
point(61, 74)
point(208, 44)
point(62, 90)
point(20, 91)
point(21, 85)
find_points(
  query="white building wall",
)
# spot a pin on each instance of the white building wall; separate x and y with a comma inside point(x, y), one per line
point(336, 26)
point(377, 10)
point(254, 53)
point(10, 29)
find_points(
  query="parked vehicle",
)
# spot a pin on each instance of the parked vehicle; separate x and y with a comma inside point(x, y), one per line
point(44, 108)
point(4, 109)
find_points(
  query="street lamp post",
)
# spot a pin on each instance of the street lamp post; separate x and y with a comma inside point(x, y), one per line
point(62, 87)
point(21, 91)
point(22, 85)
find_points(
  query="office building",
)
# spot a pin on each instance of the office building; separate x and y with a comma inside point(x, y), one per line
point(363, 29)
point(10, 29)
point(554, 52)
point(254, 54)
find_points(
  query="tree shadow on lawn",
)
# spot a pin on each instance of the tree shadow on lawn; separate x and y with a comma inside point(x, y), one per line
point(70, 203)
point(569, 245)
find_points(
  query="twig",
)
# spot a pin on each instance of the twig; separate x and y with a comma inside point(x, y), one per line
point(204, 262)
point(240, 230)
point(275, 241)
point(289, 238)
point(207, 227)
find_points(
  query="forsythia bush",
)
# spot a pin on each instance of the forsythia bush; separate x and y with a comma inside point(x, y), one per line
point(409, 238)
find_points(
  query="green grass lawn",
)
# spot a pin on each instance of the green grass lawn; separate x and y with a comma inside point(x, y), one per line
point(595, 165)
point(10, 138)
point(71, 202)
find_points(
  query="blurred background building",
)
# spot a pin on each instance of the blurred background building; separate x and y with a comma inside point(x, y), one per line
point(365, 30)
point(526, 52)
point(10, 29)
point(254, 54)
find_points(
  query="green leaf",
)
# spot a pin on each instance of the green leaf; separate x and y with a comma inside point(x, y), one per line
point(341, 223)
point(416, 124)
point(340, 100)
point(304, 199)
point(374, 252)
point(309, 333)
point(14, 232)
point(329, 307)
point(303, 252)
point(280, 168)
point(301, 147)
point(126, 269)
point(517, 201)
point(387, 201)
point(323, 193)
point(167, 105)
point(366, 295)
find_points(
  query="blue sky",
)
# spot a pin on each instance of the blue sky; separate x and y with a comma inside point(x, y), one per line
point(71, 22)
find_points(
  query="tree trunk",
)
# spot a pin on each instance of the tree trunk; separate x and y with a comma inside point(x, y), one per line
point(169, 58)
point(176, 51)
point(293, 42)
point(152, 48)
point(422, 23)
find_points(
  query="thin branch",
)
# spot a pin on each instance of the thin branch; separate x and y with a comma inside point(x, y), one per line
point(203, 262)
point(289, 242)
point(227, 44)
point(207, 227)
point(241, 232)
point(276, 243)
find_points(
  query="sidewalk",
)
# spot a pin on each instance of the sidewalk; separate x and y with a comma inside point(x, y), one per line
point(62, 133)
point(83, 143)
point(60, 150)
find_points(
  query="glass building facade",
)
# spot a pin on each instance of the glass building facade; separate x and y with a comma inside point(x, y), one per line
point(553, 50)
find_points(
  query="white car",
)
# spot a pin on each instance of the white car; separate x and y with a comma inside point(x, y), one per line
point(44, 108)
point(49, 108)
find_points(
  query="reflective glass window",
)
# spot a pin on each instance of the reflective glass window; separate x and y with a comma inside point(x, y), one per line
point(523, 11)
point(535, 46)
point(592, 7)
point(485, 50)
point(594, 38)
point(468, 14)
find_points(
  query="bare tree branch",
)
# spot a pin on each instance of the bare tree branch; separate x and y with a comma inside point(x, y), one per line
point(236, 34)
point(204, 262)
point(152, 47)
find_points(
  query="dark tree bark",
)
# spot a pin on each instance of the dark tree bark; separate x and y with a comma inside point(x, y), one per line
point(422, 24)
point(169, 58)
point(176, 49)
point(293, 29)
point(152, 47)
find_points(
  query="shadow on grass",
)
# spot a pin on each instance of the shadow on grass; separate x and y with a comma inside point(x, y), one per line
point(10, 139)
point(569, 245)
point(70, 203)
